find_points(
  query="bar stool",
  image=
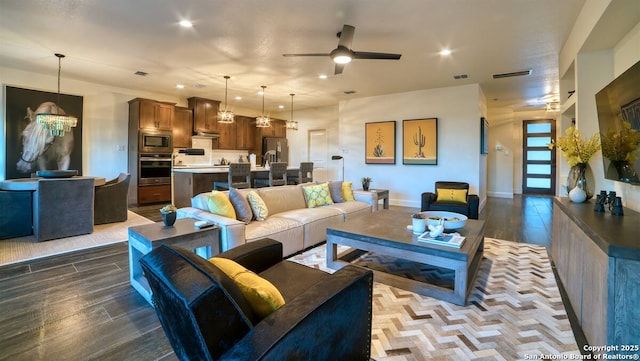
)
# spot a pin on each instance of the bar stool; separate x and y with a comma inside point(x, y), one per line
point(277, 176)
point(239, 177)
point(305, 174)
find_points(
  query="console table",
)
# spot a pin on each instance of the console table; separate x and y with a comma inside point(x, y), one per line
point(142, 239)
point(597, 256)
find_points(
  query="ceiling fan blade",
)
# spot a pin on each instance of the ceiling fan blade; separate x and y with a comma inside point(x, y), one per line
point(370, 55)
point(339, 69)
point(346, 36)
point(308, 54)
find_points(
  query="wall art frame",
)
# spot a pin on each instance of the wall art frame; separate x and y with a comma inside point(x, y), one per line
point(59, 153)
point(484, 136)
point(380, 142)
point(420, 141)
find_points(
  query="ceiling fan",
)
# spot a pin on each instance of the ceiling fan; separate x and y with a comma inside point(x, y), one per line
point(343, 54)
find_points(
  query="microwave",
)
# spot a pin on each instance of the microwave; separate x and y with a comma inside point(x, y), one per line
point(155, 141)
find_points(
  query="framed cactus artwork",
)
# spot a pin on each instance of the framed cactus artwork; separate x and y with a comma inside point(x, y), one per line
point(420, 141)
point(380, 142)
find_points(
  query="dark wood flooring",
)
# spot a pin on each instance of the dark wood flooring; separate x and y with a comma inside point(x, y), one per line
point(80, 306)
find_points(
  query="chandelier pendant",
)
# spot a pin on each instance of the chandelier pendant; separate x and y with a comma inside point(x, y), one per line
point(225, 116)
point(57, 123)
point(263, 121)
point(292, 124)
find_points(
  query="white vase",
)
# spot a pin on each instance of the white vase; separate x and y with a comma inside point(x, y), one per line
point(577, 195)
point(419, 225)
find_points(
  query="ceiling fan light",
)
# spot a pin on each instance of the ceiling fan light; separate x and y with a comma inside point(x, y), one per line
point(341, 55)
point(342, 59)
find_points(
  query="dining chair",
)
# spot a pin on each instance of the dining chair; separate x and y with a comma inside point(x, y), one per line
point(110, 200)
point(277, 176)
point(305, 174)
point(239, 176)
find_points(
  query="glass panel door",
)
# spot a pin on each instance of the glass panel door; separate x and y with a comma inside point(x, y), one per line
point(539, 162)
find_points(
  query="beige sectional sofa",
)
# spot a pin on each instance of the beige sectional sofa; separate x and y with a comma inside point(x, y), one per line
point(289, 220)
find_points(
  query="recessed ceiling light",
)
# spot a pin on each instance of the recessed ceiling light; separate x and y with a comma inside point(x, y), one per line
point(260, 92)
point(186, 24)
point(322, 76)
point(180, 86)
point(445, 52)
point(238, 98)
point(280, 106)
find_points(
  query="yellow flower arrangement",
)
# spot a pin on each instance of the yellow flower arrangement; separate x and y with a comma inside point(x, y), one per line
point(622, 145)
point(575, 149)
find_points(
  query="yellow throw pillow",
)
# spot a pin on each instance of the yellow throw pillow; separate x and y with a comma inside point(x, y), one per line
point(262, 295)
point(452, 195)
point(347, 191)
point(219, 203)
point(258, 206)
point(317, 195)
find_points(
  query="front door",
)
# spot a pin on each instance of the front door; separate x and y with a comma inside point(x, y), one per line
point(539, 162)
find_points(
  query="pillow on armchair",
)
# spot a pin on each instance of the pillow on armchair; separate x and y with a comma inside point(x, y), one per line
point(451, 197)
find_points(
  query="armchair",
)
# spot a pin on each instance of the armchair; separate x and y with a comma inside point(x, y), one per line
point(469, 207)
point(205, 316)
point(110, 204)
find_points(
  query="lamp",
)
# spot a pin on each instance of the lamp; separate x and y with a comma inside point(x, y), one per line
point(57, 122)
point(292, 124)
point(225, 116)
point(263, 121)
point(341, 55)
point(339, 157)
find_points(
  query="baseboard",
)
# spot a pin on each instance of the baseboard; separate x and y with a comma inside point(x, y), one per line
point(500, 194)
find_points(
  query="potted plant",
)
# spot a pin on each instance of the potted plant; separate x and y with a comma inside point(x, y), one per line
point(365, 183)
point(169, 213)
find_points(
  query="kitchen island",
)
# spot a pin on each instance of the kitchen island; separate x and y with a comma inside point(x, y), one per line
point(189, 181)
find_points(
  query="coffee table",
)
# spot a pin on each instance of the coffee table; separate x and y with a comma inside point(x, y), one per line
point(385, 232)
point(142, 239)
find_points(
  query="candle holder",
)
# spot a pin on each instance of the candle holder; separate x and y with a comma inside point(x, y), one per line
point(617, 209)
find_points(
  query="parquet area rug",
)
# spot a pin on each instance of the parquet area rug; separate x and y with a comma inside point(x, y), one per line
point(514, 312)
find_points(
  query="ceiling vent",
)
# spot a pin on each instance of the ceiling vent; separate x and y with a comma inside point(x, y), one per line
point(460, 76)
point(199, 86)
point(141, 73)
point(349, 92)
point(509, 75)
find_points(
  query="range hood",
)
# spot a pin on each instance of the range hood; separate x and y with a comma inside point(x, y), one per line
point(206, 135)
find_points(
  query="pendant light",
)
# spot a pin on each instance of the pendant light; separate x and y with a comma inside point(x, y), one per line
point(225, 116)
point(263, 121)
point(56, 122)
point(292, 124)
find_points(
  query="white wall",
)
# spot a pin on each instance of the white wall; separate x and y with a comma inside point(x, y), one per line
point(500, 168)
point(459, 159)
point(105, 118)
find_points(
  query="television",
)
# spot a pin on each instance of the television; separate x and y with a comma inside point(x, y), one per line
point(618, 106)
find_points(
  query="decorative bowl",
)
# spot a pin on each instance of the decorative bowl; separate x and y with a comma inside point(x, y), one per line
point(66, 173)
point(451, 220)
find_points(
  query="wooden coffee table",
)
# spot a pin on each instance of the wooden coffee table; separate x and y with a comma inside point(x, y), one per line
point(385, 232)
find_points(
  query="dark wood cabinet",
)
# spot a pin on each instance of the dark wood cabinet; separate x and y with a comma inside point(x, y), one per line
point(154, 194)
point(245, 132)
point(152, 114)
point(227, 133)
point(182, 127)
point(205, 114)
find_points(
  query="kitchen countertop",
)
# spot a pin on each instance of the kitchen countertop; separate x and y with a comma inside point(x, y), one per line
point(216, 169)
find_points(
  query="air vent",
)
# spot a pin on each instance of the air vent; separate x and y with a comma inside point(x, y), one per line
point(509, 75)
point(349, 92)
point(141, 73)
point(460, 76)
point(199, 86)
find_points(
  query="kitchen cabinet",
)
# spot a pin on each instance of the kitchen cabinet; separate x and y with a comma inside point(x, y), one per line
point(154, 194)
point(227, 133)
point(245, 129)
point(147, 113)
point(205, 114)
point(182, 127)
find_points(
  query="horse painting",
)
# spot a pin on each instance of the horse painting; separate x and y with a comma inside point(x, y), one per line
point(40, 149)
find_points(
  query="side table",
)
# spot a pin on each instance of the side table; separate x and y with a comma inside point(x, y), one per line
point(383, 194)
point(142, 239)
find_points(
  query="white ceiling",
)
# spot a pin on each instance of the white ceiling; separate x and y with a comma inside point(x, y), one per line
point(107, 41)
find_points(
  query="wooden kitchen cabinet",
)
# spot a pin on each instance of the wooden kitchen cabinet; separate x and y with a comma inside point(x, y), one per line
point(205, 114)
point(245, 130)
point(154, 194)
point(182, 127)
point(151, 114)
point(227, 133)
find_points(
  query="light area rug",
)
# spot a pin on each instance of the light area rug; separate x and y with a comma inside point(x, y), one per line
point(514, 312)
point(26, 248)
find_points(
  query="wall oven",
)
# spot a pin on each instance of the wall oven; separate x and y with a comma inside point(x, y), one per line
point(154, 169)
point(155, 141)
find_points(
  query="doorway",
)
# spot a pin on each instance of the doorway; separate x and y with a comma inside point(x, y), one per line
point(318, 153)
point(539, 162)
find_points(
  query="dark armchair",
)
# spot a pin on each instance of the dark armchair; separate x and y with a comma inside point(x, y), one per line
point(110, 203)
point(205, 317)
point(453, 203)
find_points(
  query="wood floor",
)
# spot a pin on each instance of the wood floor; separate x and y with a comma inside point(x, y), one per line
point(80, 306)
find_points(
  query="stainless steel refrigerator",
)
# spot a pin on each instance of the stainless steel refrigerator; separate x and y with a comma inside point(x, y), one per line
point(275, 149)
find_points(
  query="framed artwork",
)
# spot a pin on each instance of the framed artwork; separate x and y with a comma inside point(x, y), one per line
point(484, 136)
point(380, 142)
point(30, 148)
point(420, 141)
